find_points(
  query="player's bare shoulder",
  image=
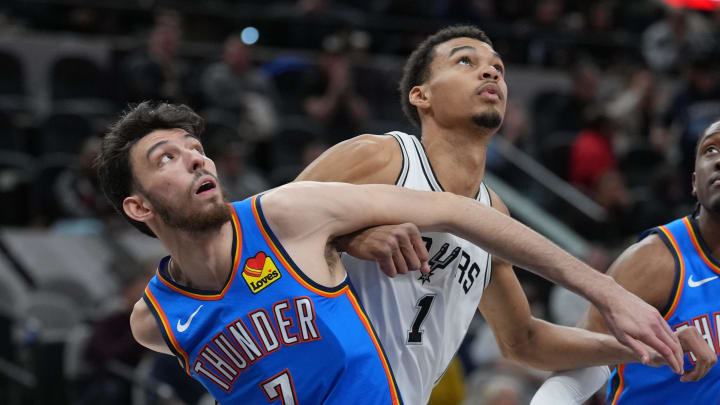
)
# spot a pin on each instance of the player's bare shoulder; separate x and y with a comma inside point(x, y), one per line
point(364, 159)
point(145, 328)
point(497, 203)
point(647, 268)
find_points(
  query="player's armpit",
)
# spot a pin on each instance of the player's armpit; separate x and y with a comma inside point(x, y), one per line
point(145, 329)
point(365, 159)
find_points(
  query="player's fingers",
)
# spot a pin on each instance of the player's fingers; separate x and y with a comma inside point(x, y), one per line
point(695, 374)
point(387, 266)
point(406, 248)
point(637, 347)
point(400, 263)
point(665, 351)
point(421, 251)
point(671, 341)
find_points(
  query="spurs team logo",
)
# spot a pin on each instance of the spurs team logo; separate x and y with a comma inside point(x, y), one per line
point(260, 271)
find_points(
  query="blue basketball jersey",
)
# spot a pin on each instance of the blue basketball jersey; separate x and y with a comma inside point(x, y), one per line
point(271, 335)
point(695, 302)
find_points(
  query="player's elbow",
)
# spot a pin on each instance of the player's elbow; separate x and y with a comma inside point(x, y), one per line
point(523, 347)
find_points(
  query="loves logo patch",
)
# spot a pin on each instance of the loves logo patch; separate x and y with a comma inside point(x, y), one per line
point(259, 272)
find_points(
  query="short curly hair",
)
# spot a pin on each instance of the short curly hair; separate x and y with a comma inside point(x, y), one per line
point(113, 163)
point(417, 67)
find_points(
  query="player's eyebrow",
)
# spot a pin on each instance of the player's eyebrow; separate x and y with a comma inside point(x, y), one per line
point(157, 145)
point(460, 48)
point(463, 47)
point(152, 148)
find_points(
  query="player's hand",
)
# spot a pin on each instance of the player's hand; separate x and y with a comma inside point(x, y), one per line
point(397, 248)
point(634, 322)
point(705, 357)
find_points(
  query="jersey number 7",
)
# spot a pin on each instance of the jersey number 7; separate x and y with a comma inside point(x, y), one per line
point(280, 386)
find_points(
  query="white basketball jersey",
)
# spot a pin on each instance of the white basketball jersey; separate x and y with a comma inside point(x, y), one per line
point(422, 319)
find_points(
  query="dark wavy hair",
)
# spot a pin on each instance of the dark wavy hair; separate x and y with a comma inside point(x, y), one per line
point(113, 163)
point(417, 67)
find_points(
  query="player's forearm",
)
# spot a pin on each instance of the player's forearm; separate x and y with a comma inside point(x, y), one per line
point(520, 245)
point(556, 348)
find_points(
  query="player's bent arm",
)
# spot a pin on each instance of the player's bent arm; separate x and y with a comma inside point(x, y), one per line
point(537, 343)
point(364, 159)
point(145, 329)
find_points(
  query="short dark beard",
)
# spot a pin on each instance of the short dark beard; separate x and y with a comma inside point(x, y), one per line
point(488, 120)
point(188, 221)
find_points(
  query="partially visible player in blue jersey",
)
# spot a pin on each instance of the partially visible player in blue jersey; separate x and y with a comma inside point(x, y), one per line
point(675, 268)
point(253, 300)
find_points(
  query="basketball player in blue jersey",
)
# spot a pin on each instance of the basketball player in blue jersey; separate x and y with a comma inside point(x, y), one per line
point(254, 302)
point(453, 89)
point(673, 267)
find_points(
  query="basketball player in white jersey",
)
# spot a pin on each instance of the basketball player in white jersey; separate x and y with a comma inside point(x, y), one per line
point(453, 89)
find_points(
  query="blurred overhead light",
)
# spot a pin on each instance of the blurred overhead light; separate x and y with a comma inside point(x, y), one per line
point(250, 35)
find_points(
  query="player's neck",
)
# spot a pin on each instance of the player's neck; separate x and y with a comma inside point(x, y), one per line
point(457, 157)
point(709, 225)
point(201, 260)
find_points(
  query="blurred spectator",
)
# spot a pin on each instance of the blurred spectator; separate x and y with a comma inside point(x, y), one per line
point(236, 86)
point(635, 107)
point(694, 107)
point(76, 189)
point(157, 72)
point(593, 165)
point(680, 34)
point(332, 98)
point(564, 111)
point(487, 388)
point(239, 178)
point(111, 341)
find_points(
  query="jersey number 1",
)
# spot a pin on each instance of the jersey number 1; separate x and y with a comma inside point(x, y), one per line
point(280, 387)
point(415, 334)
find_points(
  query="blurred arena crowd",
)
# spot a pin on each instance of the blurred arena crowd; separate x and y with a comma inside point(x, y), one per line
point(606, 101)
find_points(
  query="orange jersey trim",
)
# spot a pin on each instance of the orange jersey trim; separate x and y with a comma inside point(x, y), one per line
point(681, 280)
point(698, 249)
point(233, 272)
point(393, 392)
point(285, 262)
point(621, 385)
point(168, 328)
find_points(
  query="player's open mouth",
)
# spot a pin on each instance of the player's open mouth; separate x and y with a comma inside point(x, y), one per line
point(207, 186)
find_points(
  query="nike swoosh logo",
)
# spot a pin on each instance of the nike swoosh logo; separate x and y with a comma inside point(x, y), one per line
point(698, 283)
point(182, 327)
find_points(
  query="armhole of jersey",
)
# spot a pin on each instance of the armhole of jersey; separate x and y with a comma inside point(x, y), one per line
point(376, 339)
point(165, 332)
point(285, 258)
point(616, 385)
point(405, 169)
point(676, 290)
point(487, 190)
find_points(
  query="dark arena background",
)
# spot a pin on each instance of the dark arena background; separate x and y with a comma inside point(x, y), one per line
point(606, 102)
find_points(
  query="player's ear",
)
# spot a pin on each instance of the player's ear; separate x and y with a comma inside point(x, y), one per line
point(419, 96)
point(138, 208)
point(694, 189)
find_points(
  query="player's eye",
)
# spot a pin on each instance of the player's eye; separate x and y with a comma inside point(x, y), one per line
point(464, 61)
point(165, 158)
point(199, 150)
point(711, 149)
point(499, 68)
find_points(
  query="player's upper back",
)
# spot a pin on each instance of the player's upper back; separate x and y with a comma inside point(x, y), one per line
point(270, 333)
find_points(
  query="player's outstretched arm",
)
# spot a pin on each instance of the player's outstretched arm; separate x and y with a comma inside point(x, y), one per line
point(313, 213)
